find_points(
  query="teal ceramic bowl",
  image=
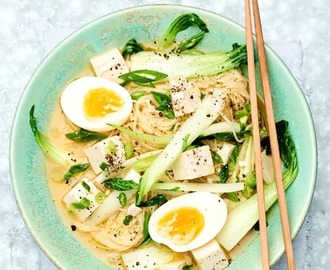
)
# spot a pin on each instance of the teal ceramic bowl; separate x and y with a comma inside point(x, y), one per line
point(69, 58)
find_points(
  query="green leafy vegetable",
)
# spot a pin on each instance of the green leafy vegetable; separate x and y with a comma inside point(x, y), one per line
point(127, 220)
point(83, 135)
point(159, 199)
point(232, 196)
point(233, 158)
point(132, 46)
point(190, 66)
point(146, 236)
point(103, 166)
point(74, 169)
point(86, 186)
point(83, 204)
point(224, 173)
point(216, 157)
point(179, 24)
point(228, 136)
point(165, 104)
point(120, 184)
point(122, 199)
point(138, 94)
point(190, 42)
point(45, 145)
point(244, 112)
point(243, 217)
point(143, 77)
point(250, 185)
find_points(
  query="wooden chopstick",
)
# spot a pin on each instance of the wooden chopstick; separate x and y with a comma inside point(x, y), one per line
point(273, 138)
point(256, 137)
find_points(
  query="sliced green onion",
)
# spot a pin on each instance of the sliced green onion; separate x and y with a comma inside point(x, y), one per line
point(122, 199)
point(128, 150)
point(99, 197)
point(86, 186)
point(143, 77)
point(127, 220)
point(138, 94)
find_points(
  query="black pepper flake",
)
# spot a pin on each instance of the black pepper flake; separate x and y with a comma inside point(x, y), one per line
point(73, 227)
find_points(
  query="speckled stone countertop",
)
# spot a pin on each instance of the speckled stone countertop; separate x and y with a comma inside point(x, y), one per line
point(297, 29)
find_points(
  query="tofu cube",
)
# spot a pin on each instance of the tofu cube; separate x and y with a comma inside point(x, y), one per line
point(210, 256)
point(83, 193)
point(225, 152)
point(110, 151)
point(193, 163)
point(185, 96)
point(133, 210)
point(109, 65)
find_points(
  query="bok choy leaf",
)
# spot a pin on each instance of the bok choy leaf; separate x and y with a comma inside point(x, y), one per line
point(179, 24)
point(243, 217)
point(44, 143)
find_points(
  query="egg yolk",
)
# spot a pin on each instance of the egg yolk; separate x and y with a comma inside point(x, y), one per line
point(100, 102)
point(181, 225)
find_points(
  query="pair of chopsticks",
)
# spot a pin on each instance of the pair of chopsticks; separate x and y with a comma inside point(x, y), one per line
point(272, 135)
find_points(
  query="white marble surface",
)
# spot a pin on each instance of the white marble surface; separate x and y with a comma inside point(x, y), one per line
point(297, 29)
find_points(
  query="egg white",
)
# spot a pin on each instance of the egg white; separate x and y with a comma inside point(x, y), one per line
point(72, 103)
point(211, 206)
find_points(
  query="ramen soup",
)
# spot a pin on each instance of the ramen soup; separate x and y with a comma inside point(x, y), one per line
point(150, 152)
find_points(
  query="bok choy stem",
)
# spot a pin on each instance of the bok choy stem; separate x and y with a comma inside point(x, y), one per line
point(203, 117)
point(242, 218)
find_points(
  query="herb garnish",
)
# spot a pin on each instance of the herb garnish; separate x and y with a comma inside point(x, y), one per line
point(74, 169)
point(165, 104)
point(83, 135)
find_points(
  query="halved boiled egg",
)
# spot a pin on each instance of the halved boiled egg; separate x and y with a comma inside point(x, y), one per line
point(92, 102)
point(189, 221)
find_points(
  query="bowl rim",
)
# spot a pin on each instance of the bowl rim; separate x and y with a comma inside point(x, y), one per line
point(76, 32)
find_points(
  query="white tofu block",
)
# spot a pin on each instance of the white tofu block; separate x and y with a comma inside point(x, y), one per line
point(267, 168)
point(210, 256)
point(185, 96)
point(109, 65)
point(98, 153)
point(176, 265)
point(193, 163)
point(80, 192)
point(225, 152)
